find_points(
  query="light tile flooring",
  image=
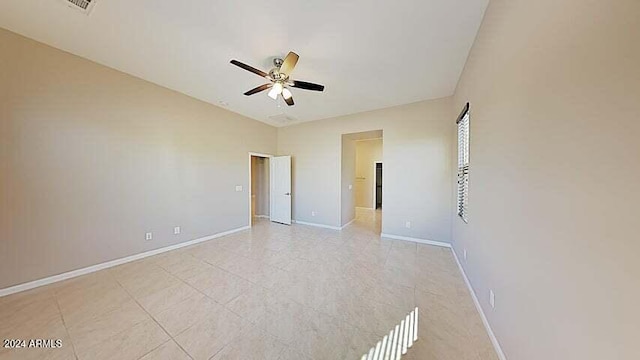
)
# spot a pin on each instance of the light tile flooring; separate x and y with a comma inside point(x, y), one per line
point(275, 292)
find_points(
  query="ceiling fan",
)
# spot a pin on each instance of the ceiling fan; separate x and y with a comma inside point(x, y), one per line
point(279, 78)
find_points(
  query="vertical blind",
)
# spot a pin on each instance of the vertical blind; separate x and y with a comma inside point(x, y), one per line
point(463, 162)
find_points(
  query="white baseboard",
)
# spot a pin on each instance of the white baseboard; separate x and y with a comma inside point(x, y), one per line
point(322, 225)
point(316, 225)
point(364, 208)
point(492, 336)
point(262, 216)
point(105, 265)
point(347, 224)
point(420, 241)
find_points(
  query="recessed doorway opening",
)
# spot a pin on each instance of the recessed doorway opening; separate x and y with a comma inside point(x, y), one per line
point(259, 188)
point(361, 180)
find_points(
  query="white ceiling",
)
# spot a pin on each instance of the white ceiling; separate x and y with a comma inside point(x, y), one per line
point(369, 54)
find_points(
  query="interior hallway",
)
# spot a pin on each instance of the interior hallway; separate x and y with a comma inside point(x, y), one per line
point(272, 292)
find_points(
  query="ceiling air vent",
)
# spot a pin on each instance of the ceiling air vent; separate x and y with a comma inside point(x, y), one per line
point(282, 119)
point(83, 6)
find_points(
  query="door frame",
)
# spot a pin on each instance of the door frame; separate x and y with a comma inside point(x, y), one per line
point(250, 178)
point(375, 166)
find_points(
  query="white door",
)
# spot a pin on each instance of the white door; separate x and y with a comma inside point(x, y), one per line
point(281, 189)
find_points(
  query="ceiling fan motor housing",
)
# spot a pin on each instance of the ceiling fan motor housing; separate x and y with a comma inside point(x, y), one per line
point(274, 73)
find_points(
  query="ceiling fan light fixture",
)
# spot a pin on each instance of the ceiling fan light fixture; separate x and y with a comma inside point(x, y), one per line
point(276, 90)
point(273, 93)
point(278, 87)
point(278, 78)
point(286, 94)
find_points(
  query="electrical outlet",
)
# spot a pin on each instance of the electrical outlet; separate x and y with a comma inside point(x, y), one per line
point(464, 254)
point(148, 236)
point(176, 230)
point(350, 186)
point(238, 188)
point(492, 299)
point(313, 213)
point(407, 224)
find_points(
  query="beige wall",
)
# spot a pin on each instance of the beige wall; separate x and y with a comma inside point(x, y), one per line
point(93, 158)
point(367, 153)
point(554, 88)
point(417, 177)
point(347, 191)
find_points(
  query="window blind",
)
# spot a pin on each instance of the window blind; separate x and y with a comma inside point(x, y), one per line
point(463, 163)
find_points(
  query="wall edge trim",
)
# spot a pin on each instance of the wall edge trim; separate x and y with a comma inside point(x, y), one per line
point(108, 264)
point(416, 240)
point(485, 321)
point(316, 225)
point(347, 224)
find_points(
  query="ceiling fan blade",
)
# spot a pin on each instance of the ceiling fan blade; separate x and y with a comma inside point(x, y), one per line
point(289, 63)
point(307, 85)
point(289, 101)
point(258, 89)
point(249, 68)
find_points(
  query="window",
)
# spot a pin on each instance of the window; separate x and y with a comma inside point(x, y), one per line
point(463, 162)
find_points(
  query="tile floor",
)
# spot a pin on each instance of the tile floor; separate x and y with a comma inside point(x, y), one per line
point(274, 292)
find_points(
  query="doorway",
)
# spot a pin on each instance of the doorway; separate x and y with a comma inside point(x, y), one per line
point(361, 185)
point(377, 188)
point(259, 188)
point(269, 188)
